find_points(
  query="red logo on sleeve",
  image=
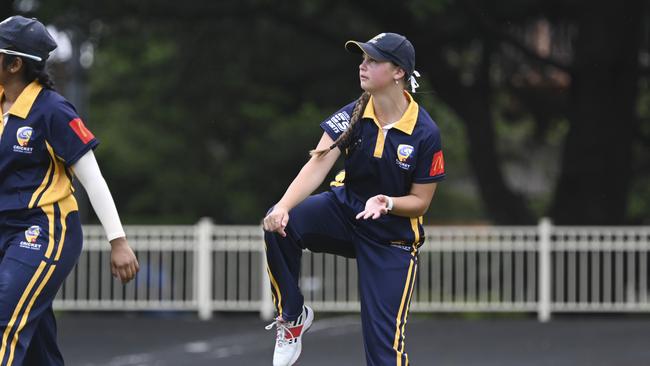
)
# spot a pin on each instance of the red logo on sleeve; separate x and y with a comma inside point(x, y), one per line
point(437, 165)
point(80, 129)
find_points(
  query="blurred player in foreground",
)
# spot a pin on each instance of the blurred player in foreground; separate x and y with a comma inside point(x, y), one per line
point(43, 145)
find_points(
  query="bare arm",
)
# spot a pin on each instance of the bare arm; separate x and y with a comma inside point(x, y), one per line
point(310, 177)
point(415, 204)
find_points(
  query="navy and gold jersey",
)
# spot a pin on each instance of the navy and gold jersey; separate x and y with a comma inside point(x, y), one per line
point(411, 152)
point(43, 137)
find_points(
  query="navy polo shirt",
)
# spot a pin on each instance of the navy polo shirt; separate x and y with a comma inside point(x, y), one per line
point(43, 137)
point(411, 152)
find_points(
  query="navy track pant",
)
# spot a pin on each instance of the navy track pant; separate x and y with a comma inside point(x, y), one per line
point(38, 249)
point(387, 273)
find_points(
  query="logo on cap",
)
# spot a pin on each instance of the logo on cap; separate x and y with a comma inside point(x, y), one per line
point(23, 135)
point(377, 38)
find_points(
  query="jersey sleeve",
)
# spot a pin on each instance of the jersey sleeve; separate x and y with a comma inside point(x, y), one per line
point(68, 134)
point(337, 123)
point(430, 164)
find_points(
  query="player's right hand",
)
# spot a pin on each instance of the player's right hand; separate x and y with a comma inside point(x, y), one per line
point(277, 220)
point(124, 264)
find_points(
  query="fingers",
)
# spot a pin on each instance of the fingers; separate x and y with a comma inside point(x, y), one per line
point(276, 222)
point(267, 224)
point(125, 275)
point(121, 274)
point(132, 271)
point(269, 221)
point(127, 271)
point(374, 214)
point(375, 207)
point(272, 222)
point(134, 268)
point(365, 214)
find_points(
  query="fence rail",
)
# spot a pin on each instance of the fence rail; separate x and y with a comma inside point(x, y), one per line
point(207, 267)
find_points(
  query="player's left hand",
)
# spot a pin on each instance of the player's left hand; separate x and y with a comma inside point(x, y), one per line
point(375, 207)
point(124, 264)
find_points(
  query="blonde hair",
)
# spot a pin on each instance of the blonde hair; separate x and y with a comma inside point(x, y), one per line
point(345, 138)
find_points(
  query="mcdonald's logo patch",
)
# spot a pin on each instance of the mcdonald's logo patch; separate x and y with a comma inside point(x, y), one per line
point(437, 165)
point(80, 129)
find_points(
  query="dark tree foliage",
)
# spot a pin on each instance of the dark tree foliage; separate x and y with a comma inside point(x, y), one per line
point(208, 108)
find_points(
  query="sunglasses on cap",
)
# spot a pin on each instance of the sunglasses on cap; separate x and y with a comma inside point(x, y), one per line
point(16, 53)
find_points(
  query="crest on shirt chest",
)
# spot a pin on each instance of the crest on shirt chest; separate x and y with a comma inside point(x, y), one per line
point(404, 153)
point(23, 136)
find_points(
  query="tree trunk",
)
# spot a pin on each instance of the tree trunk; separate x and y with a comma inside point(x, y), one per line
point(596, 172)
point(472, 104)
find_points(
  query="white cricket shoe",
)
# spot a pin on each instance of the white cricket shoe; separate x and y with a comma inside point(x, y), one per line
point(288, 340)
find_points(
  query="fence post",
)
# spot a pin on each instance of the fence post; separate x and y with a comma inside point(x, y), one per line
point(267, 308)
point(544, 270)
point(203, 268)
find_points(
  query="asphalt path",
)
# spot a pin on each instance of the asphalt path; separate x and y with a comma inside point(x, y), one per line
point(165, 339)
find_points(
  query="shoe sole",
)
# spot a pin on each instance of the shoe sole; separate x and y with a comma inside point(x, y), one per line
point(308, 323)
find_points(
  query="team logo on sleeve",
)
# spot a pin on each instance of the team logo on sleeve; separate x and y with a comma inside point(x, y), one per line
point(339, 122)
point(23, 135)
point(437, 165)
point(31, 235)
point(404, 152)
point(80, 129)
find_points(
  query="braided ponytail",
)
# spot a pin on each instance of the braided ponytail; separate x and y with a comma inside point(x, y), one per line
point(345, 138)
point(37, 71)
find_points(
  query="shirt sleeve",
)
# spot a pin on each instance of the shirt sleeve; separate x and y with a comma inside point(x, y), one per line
point(337, 123)
point(87, 171)
point(430, 164)
point(68, 134)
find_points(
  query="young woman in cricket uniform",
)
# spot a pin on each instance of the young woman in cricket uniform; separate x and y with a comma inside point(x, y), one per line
point(43, 145)
point(393, 161)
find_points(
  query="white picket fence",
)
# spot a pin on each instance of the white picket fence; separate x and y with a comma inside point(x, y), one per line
point(209, 268)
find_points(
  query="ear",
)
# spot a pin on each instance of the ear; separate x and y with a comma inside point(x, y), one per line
point(16, 65)
point(399, 73)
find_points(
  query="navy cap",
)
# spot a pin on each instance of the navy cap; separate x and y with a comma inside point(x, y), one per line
point(26, 35)
point(387, 47)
